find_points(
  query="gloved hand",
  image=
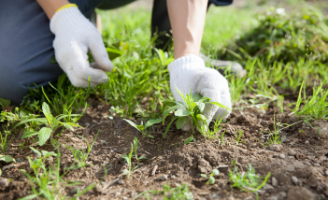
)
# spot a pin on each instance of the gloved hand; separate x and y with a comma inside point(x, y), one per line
point(74, 35)
point(190, 73)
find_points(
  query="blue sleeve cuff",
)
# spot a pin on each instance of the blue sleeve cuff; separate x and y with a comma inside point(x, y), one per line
point(221, 2)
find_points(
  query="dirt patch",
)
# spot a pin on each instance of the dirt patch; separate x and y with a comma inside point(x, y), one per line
point(298, 166)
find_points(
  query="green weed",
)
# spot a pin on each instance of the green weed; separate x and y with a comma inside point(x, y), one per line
point(248, 181)
point(211, 179)
point(142, 128)
point(128, 171)
point(52, 124)
point(135, 145)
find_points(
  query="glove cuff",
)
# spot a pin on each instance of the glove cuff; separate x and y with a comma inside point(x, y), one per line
point(190, 61)
point(65, 17)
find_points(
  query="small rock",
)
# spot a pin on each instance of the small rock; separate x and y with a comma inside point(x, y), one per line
point(276, 147)
point(20, 160)
point(295, 180)
point(291, 152)
point(215, 196)
point(261, 192)
point(267, 187)
point(272, 198)
point(161, 178)
point(87, 124)
point(282, 156)
point(326, 172)
point(249, 198)
point(172, 177)
point(307, 142)
point(103, 142)
point(282, 194)
point(291, 157)
point(120, 182)
point(204, 166)
point(274, 182)
point(73, 190)
point(316, 164)
point(125, 198)
point(4, 182)
point(290, 168)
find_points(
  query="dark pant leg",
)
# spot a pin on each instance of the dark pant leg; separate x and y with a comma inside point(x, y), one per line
point(161, 26)
point(26, 47)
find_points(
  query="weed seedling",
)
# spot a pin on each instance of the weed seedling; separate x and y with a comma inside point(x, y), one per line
point(47, 183)
point(4, 142)
point(135, 144)
point(190, 112)
point(79, 155)
point(248, 181)
point(128, 172)
point(142, 128)
point(238, 137)
point(52, 124)
point(211, 179)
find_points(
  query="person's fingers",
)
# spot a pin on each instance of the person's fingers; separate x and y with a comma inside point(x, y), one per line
point(78, 82)
point(99, 53)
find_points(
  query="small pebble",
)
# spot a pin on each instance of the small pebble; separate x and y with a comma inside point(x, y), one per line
point(307, 142)
point(125, 198)
point(120, 182)
point(272, 198)
point(103, 142)
point(215, 196)
point(274, 182)
point(161, 178)
point(290, 168)
point(316, 164)
point(326, 172)
point(267, 187)
point(295, 180)
point(73, 190)
point(20, 160)
point(173, 177)
point(282, 156)
point(291, 152)
point(4, 182)
point(276, 147)
point(87, 124)
point(282, 194)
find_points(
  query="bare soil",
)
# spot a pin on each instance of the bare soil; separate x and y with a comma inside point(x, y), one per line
point(303, 154)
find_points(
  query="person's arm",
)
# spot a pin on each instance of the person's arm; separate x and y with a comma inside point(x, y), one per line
point(188, 72)
point(50, 7)
point(187, 19)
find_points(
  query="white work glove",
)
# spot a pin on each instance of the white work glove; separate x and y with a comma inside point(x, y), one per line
point(74, 35)
point(190, 73)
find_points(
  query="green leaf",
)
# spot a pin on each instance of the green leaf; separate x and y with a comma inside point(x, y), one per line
point(211, 180)
point(41, 120)
point(152, 122)
point(6, 158)
point(126, 158)
point(181, 122)
point(216, 172)
point(166, 112)
point(140, 127)
point(220, 105)
point(181, 113)
point(203, 175)
point(168, 126)
point(32, 196)
point(44, 135)
point(47, 154)
point(54, 143)
point(4, 103)
point(29, 134)
point(201, 106)
point(68, 126)
point(142, 157)
point(189, 139)
point(132, 124)
point(201, 117)
point(197, 97)
point(36, 151)
point(47, 113)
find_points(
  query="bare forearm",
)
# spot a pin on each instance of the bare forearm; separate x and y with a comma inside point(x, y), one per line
point(51, 6)
point(187, 20)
